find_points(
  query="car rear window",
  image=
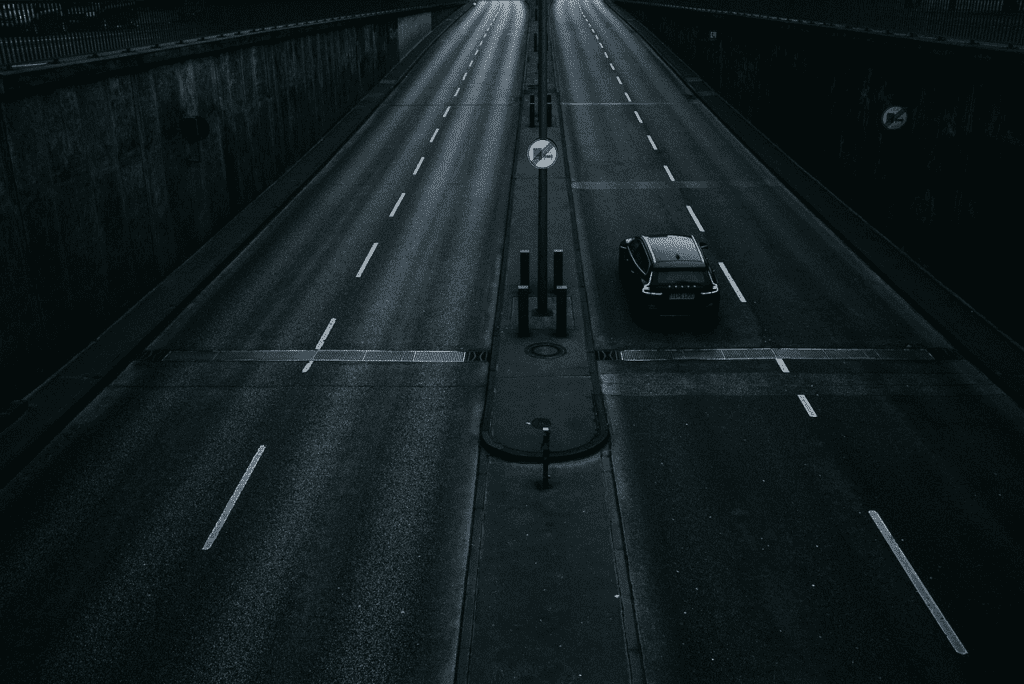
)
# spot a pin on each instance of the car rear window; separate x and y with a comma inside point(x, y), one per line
point(677, 276)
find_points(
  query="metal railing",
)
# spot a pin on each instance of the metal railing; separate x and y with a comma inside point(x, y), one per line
point(996, 22)
point(35, 33)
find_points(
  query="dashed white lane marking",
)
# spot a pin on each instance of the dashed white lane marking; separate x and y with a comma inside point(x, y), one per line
point(234, 497)
point(418, 165)
point(670, 176)
point(694, 217)
point(320, 344)
point(606, 55)
point(457, 91)
point(435, 134)
point(464, 75)
point(612, 66)
point(782, 365)
point(807, 405)
point(619, 80)
point(475, 53)
point(480, 43)
point(366, 260)
point(592, 30)
point(919, 585)
point(638, 116)
point(628, 98)
point(395, 208)
point(649, 138)
point(600, 45)
point(731, 282)
point(470, 63)
point(446, 112)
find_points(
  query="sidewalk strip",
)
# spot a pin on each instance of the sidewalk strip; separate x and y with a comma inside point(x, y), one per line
point(919, 585)
point(234, 497)
point(732, 282)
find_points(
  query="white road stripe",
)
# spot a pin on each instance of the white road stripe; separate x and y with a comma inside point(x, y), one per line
point(435, 134)
point(782, 364)
point(471, 62)
point(475, 53)
point(919, 585)
point(731, 282)
point(480, 43)
point(670, 176)
point(694, 217)
point(366, 260)
point(464, 75)
point(395, 208)
point(652, 142)
point(457, 91)
point(612, 66)
point(627, 96)
point(807, 405)
point(638, 116)
point(606, 55)
point(418, 166)
point(619, 80)
point(600, 45)
point(446, 112)
point(320, 344)
point(234, 497)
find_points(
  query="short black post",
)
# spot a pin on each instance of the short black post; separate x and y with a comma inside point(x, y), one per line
point(533, 111)
point(524, 310)
point(562, 304)
point(558, 267)
point(545, 447)
point(524, 267)
point(549, 110)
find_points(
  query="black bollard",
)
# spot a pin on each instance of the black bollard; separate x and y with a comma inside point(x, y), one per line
point(524, 267)
point(560, 315)
point(533, 112)
point(524, 310)
point(558, 267)
point(545, 446)
point(549, 110)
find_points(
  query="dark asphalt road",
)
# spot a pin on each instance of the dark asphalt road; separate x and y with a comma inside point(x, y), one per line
point(752, 553)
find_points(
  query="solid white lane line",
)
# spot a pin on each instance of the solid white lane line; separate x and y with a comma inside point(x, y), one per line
point(670, 176)
point(627, 96)
point(366, 260)
point(731, 282)
point(464, 75)
point(619, 80)
point(234, 497)
point(457, 91)
point(435, 134)
point(652, 142)
point(918, 584)
point(612, 66)
point(807, 405)
point(782, 365)
point(395, 208)
point(418, 166)
point(694, 217)
point(446, 112)
point(638, 116)
point(320, 343)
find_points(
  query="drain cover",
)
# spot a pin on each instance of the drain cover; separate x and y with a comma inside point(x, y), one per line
point(545, 350)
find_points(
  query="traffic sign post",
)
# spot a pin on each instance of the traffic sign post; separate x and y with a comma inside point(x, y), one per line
point(542, 173)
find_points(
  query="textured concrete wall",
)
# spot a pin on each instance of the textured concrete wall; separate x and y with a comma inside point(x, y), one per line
point(944, 187)
point(101, 195)
point(411, 30)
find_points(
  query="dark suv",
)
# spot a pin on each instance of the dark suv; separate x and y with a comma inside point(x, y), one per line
point(669, 275)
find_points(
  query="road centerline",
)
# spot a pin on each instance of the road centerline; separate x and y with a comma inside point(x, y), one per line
point(234, 497)
point(366, 260)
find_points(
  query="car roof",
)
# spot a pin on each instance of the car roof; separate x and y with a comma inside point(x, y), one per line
point(674, 250)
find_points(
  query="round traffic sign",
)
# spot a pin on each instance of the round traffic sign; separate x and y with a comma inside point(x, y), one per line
point(894, 117)
point(542, 153)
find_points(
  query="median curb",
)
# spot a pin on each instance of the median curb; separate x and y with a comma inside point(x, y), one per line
point(48, 409)
point(581, 401)
point(977, 339)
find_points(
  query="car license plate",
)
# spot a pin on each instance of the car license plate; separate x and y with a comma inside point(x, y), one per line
point(681, 295)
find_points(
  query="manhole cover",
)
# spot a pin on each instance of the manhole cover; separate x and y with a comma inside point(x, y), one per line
point(545, 350)
point(540, 423)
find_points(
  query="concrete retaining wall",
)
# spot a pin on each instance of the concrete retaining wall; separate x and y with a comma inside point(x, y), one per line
point(104, 189)
point(944, 187)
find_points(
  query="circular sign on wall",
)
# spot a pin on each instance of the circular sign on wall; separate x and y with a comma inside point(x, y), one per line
point(894, 117)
